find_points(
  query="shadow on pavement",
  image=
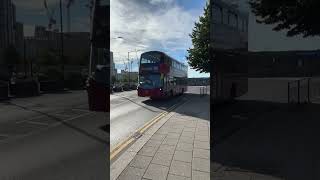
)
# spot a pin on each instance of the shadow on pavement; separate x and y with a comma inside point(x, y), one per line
point(200, 105)
point(266, 137)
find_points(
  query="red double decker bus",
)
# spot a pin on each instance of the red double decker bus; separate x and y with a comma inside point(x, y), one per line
point(161, 76)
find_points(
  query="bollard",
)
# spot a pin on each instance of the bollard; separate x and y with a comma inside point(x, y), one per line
point(298, 91)
point(309, 90)
point(288, 92)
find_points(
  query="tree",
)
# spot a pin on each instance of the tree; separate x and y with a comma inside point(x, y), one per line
point(48, 57)
point(11, 56)
point(113, 80)
point(297, 16)
point(198, 55)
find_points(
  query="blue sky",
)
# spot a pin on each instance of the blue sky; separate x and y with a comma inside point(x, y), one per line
point(145, 25)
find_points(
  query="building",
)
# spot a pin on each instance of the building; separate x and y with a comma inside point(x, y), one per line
point(7, 24)
point(284, 63)
point(76, 45)
point(198, 81)
point(113, 70)
point(19, 38)
point(123, 76)
point(229, 27)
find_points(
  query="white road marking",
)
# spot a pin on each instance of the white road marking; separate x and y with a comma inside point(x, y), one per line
point(37, 117)
point(40, 130)
point(82, 110)
point(4, 135)
point(37, 123)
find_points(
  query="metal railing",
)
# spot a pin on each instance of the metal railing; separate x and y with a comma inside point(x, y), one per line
point(303, 90)
point(203, 90)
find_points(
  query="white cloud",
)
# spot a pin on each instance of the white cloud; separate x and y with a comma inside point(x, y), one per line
point(150, 26)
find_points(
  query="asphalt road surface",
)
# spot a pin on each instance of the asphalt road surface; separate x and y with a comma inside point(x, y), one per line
point(53, 136)
point(128, 112)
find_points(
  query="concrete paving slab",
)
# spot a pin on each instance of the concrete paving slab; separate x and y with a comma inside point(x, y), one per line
point(180, 168)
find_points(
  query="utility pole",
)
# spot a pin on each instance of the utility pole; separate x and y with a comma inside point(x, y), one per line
point(24, 58)
point(61, 36)
point(129, 67)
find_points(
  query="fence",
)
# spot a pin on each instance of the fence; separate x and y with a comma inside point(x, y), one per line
point(303, 90)
point(204, 90)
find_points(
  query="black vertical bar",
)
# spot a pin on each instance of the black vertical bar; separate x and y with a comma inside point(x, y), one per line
point(308, 90)
point(24, 58)
point(61, 36)
point(288, 92)
point(298, 91)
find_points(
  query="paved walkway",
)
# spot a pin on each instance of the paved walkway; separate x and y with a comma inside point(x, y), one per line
point(179, 149)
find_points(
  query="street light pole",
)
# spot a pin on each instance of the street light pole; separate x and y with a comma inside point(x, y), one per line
point(24, 58)
point(61, 36)
point(129, 67)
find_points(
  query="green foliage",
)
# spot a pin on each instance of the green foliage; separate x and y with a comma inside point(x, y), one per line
point(198, 55)
point(53, 73)
point(11, 56)
point(48, 58)
point(74, 80)
point(295, 16)
point(113, 80)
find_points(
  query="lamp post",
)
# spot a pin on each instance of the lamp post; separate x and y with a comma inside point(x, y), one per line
point(61, 38)
point(130, 63)
point(24, 58)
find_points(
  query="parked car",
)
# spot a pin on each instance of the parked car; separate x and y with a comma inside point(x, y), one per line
point(126, 87)
point(117, 88)
point(111, 89)
point(133, 87)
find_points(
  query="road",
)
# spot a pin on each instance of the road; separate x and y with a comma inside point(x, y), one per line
point(128, 112)
point(53, 136)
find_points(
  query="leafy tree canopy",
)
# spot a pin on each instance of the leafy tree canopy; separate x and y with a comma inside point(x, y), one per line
point(298, 17)
point(198, 55)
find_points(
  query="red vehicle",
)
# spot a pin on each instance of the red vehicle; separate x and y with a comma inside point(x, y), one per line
point(161, 76)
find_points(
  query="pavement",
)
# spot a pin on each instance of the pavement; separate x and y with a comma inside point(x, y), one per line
point(260, 136)
point(175, 147)
point(128, 113)
point(54, 137)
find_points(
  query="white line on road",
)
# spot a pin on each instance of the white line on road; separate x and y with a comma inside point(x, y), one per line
point(4, 135)
point(37, 117)
point(40, 130)
point(82, 110)
point(115, 105)
point(37, 123)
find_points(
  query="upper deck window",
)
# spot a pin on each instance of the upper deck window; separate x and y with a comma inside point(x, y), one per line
point(150, 58)
point(241, 24)
point(217, 14)
point(233, 19)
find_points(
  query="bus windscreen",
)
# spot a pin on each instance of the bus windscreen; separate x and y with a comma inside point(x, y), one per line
point(150, 81)
point(150, 58)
